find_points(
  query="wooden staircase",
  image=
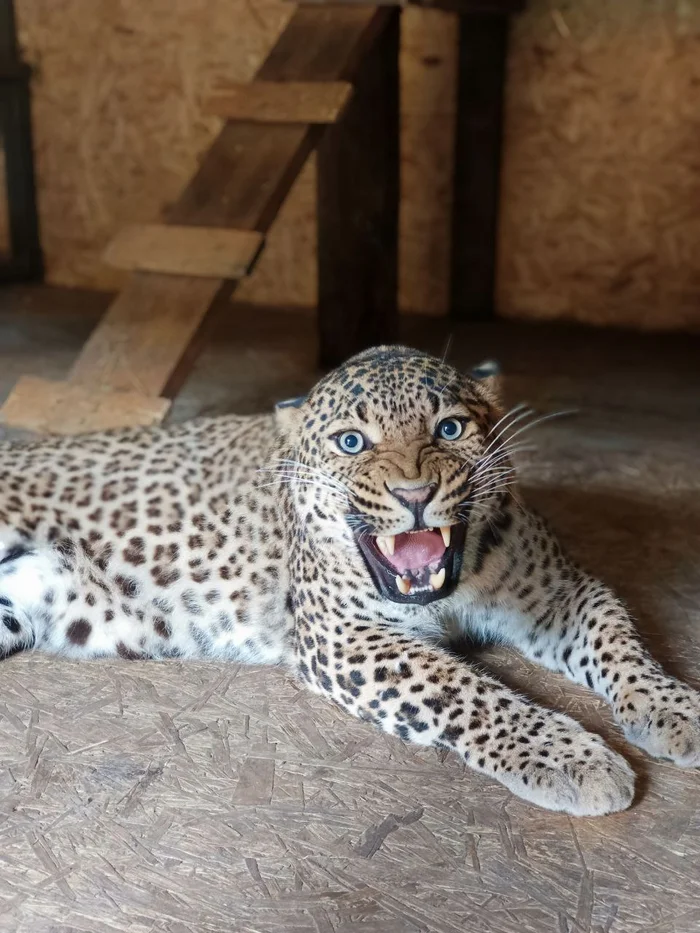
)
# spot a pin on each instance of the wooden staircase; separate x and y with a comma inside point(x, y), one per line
point(139, 354)
point(330, 84)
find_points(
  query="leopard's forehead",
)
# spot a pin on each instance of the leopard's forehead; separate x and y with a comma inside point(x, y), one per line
point(392, 382)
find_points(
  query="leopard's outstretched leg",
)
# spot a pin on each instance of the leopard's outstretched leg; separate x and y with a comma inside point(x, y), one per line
point(26, 578)
point(424, 695)
point(570, 622)
point(51, 599)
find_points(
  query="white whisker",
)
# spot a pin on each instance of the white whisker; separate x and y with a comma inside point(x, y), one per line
point(497, 470)
point(302, 482)
point(495, 481)
point(541, 420)
point(498, 457)
point(297, 466)
point(526, 413)
point(490, 492)
point(448, 345)
point(281, 475)
point(508, 414)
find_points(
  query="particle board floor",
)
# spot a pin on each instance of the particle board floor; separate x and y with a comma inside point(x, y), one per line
point(210, 798)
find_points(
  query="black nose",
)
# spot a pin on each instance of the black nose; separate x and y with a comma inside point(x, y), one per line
point(414, 498)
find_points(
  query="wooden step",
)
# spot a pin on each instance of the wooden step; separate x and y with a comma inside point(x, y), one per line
point(279, 101)
point(144, 337)
point(65, 408)
point(206, 252)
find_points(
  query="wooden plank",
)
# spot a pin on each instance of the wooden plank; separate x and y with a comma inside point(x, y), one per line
point(211, 252)
point(483, 45)
point(324, 44)
point(279, 102)
point(62, 408)
point(245, 176)
point(145, 333)
point(358, 206)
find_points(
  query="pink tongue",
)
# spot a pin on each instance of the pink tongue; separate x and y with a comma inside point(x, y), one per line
point(415, 551)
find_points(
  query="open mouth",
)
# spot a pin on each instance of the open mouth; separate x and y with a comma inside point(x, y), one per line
point(417, 566)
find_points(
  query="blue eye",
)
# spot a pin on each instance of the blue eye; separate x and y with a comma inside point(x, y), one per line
point(351, 442)
point(450, 429)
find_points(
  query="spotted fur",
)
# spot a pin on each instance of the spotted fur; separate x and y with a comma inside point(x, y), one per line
point(242, 538)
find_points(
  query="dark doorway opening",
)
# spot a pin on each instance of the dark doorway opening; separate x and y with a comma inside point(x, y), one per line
point(20, 249)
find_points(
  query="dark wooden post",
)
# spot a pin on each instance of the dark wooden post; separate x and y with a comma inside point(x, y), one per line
point(483, 45)
point(25, 260)
point(358, 207)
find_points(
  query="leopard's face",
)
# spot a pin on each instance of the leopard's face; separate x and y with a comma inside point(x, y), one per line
point(394, 457)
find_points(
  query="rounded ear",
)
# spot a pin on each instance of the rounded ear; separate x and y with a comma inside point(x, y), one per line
point(287, 414)
point(488, 375)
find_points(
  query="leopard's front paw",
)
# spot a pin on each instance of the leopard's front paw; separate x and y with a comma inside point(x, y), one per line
point(576, 773)
point(664, 721)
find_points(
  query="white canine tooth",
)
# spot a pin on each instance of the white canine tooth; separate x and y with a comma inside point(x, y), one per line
point(403, 585)
point(446, 532)
point(437, 579)
point(386, 544)
point(381, 544)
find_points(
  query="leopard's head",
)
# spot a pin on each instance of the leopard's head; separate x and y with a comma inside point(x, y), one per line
point(395, 454)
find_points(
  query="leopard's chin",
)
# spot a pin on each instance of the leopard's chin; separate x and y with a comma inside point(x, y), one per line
point(417, 567)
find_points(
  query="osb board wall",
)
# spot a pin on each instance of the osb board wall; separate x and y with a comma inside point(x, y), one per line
point(601, 189)
point(602, 161)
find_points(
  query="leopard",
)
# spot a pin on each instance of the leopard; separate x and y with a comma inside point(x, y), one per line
point(348, 536)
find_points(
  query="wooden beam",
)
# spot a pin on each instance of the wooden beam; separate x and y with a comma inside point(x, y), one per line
point(62, 408)
point(211, 252)
point(9, 48)
point(483, 46)
point(279, 102)
point(145, 333)
point(358, 209)
point(324, 44)
point(17, 182)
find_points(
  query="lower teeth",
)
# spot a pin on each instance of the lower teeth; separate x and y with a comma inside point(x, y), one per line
point(437, 579)
point(405, 586)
